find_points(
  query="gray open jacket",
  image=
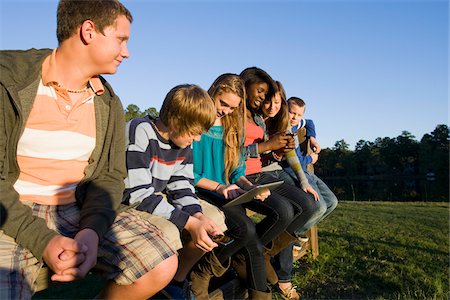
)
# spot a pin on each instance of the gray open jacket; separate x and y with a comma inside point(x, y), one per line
point(98, 194)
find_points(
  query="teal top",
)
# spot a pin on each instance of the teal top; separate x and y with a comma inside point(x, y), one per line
point(208, 156)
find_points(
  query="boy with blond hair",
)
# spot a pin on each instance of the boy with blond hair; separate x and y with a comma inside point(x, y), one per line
point(161, 180)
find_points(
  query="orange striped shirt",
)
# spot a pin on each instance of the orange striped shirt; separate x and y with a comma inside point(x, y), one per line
point(57, 142)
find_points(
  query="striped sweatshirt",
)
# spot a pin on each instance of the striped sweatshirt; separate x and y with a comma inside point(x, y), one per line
point(160, 174)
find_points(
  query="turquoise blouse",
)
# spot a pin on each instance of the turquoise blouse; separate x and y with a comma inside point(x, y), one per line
point(208, 154)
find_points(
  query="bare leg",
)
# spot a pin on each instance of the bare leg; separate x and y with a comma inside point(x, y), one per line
point(146, 286)
point(188, 257)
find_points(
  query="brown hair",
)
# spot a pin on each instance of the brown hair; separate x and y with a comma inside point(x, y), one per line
point(188, 109)
point(280, 122)
point(297, 101)
point(233, 123)
point(72, 13)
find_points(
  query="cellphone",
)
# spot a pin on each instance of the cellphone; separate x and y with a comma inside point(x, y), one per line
point(222, 239)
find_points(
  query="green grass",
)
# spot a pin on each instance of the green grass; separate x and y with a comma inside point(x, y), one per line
point(368, 250)
point(379, 250)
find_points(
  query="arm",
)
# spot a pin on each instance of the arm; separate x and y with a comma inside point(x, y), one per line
point(180, 191)
point(100, 197)
point(310, 128)
point(141, 189)
point(19, 223)
point(294, 163)
point(311, 134)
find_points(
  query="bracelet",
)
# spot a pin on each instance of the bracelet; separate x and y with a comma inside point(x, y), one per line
point(217, 187)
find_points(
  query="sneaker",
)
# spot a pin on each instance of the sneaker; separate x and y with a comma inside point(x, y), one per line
point(290, 293)
point(296, 251)
point(303, 239)
point(175, 292)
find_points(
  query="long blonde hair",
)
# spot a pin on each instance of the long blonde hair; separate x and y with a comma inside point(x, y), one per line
point(233, 123)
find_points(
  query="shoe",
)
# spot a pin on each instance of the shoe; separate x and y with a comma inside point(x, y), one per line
point(290, 293)
point(303, 239)
point(175, 292)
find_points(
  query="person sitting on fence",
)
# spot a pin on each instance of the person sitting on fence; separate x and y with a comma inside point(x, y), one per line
point(284, 260)
point(63, 164)
point(327, 199)
point(266, 168)
point(160, 177)
point(219, 169)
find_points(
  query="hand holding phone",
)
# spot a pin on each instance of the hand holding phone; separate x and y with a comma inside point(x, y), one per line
point(222, 239)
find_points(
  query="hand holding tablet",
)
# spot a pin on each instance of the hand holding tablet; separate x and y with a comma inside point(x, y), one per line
point(251, 194)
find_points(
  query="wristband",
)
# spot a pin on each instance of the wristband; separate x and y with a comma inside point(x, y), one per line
point(217, 187)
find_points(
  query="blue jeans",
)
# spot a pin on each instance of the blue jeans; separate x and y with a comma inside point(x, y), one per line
point(322, 208)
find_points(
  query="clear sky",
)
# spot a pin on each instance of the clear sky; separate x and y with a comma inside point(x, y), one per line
point(366, 68)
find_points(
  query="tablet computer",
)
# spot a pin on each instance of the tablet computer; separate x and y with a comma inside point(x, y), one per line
point(250, 195)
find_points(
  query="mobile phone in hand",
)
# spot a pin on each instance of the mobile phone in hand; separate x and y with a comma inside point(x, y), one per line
point(222, 239)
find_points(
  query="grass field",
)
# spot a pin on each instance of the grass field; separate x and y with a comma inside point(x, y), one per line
point(368, 250)
point(380, 250)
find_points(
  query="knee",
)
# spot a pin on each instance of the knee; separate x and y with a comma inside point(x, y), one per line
point(333, 202)
point(321, 209)
point(159, 277)
point(246, 231)
point(214, 213)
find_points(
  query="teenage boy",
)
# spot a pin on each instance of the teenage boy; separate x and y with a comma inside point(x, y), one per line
point(161, 179)
point(62, 163)
point(327, 199)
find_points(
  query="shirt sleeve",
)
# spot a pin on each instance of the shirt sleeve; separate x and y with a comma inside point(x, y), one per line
point(310, 128)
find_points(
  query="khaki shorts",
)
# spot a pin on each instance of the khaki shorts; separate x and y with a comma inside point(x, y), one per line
point(172, 232)
point(132, 247)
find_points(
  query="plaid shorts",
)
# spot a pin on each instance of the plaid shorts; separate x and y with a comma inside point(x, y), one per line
point(132, 247)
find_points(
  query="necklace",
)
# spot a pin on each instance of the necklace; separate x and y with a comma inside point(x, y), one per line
point(77, 91)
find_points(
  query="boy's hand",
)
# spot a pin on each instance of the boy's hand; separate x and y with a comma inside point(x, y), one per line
point(199, 234)
point(314, 157)
point(315, 147)
point(62, 255)
point(210, 226)
point(89, 238)
point(310, 190)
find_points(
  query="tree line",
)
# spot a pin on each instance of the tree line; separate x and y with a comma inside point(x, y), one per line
point(402, 158)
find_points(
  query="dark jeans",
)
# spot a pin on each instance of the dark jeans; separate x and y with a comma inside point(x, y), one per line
point(250, 238)
point(304, 209)
point(301, 202)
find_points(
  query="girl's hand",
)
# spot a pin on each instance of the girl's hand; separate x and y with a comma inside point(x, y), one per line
point(229, 191)
point(263, 195)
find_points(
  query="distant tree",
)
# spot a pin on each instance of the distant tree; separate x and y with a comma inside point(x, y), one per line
point(342, 146)
point(363, 158)
point(132, 111)
point(152, 112)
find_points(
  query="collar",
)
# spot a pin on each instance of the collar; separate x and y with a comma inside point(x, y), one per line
point(49, 75)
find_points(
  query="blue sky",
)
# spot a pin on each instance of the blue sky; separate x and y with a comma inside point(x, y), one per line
point(366, 68)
